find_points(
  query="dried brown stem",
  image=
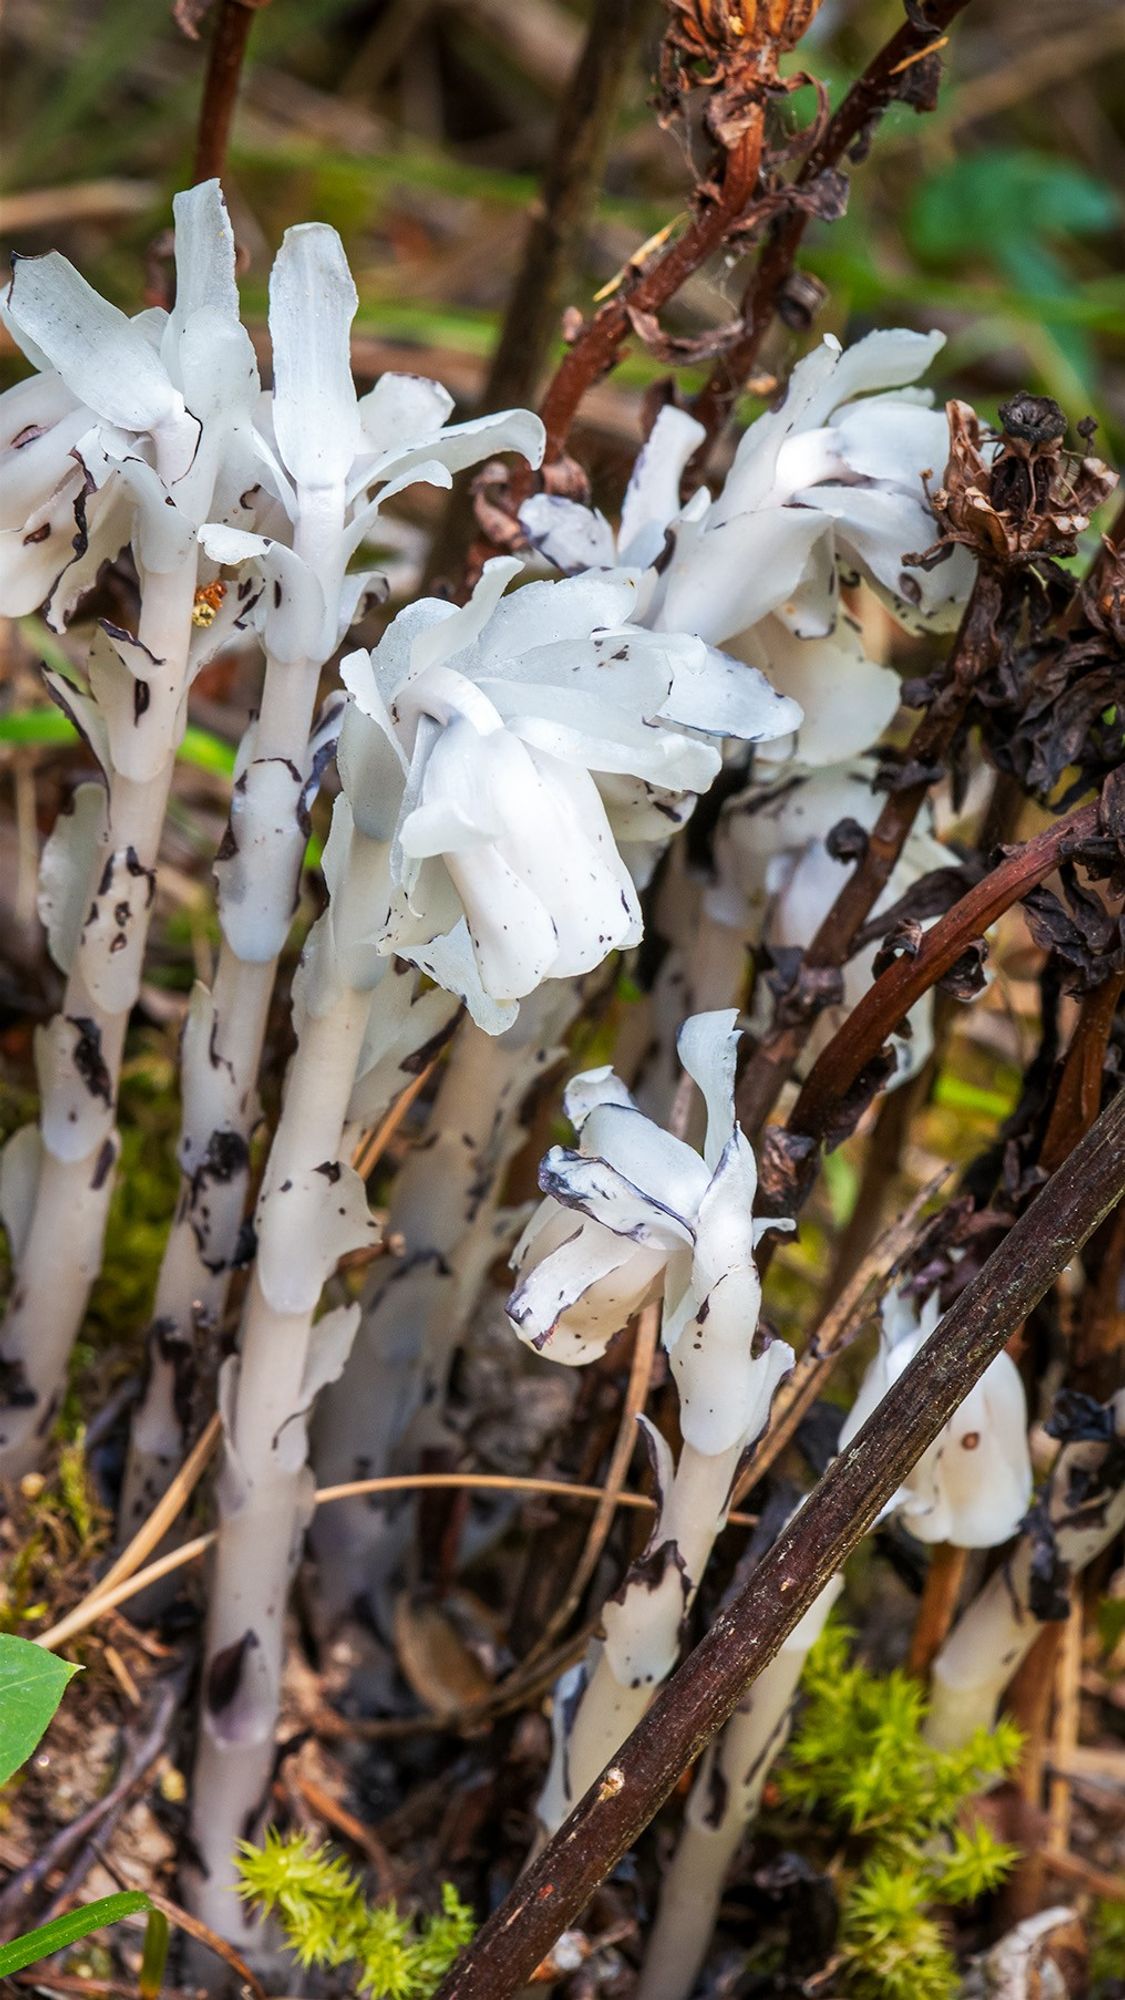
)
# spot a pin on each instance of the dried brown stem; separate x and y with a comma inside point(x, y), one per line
point(835, 1334)
point(773, 1060)
point(898, 989)
point(942, 1588)
point(227, 53)
point(596, 349)
point(697, 1701)
point(880, 85)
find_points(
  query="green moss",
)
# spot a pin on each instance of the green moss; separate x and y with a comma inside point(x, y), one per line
point(858, 1759)
point(328, 1921)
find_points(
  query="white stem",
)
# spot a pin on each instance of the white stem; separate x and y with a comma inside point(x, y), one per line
point(623, 1671)
point(264, 1490)
point(79, 1054)
point(998, 1630)
point(444, 1207)
point(724, 1801)
point(221, 1064)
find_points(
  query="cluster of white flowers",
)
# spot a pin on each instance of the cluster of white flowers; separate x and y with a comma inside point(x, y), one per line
point(510, 771)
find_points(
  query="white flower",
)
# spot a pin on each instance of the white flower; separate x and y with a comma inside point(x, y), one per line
point(829, 484)
point(777, 881)
point(332, 458)
point(478, 738)
point(153, 413)
point(633, 1212)
point(972, 1487)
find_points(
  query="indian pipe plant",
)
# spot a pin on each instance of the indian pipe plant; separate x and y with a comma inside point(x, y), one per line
point(602, 900)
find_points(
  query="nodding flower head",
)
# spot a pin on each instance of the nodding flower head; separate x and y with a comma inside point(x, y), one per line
point(633, 1213)
point(502, 731)
point(972, 1487)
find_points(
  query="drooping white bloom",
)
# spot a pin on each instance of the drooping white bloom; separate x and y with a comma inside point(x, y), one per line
point(332, 458)
point(777, 881)
point(834, 475)
point(478, 738)
point(829, 485)
point(133, 426)
point(973, 1486)
point(632, 1212)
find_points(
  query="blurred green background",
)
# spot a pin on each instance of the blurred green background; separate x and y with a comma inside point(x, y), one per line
point(419, 128)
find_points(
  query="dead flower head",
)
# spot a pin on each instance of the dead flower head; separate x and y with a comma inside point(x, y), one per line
point(1019, 499)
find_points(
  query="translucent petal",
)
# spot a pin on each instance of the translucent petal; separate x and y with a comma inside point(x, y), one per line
point(725, 578)
point(569, 535)
point(312, 304)
point(708, 1049)
point(652, 498)
point(102, 357)
point(205, 264)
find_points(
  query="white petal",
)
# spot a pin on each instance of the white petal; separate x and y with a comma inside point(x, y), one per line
point(312, 304)
point(40, 422)
point(403, 410)
point(205, 263)
point(454, 633)
point(451, 961)
point(723, 579)
point(894, 442)
point(569, 535)
point(370, 765)
point(99, 353)
point(885, 359)
point(652, 498)
point(461, 445)
point(708, 1049)
point(592, 1184)
point(541, 614)
point(653, 1160)
point(582, 1285)
point(847, 700)
point(589, 1089)
point(878, 526)
point(728, 697)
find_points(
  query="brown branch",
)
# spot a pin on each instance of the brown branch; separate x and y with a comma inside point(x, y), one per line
point(869, 97)
point(596, 349)
point(697, 1701)
point(229, 38)
point(898, 989)
point(973, 649)
point(940, 1593)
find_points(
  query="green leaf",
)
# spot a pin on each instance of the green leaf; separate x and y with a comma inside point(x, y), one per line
point(31, 1688)
point(984, 202)
point(49, 1938)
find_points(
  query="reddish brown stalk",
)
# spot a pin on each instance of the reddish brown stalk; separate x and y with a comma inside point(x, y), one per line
point(880, 85)
point(942, 1589)
point(229, 38)
point(773, 1060)
point(1078, 1095)
point(596, 349)
point(698, 1699)
point(1098, 1359)
point(897, 990)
